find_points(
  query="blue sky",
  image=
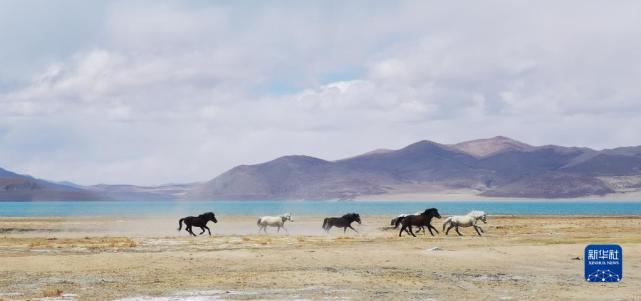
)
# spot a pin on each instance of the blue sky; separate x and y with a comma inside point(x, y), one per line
point(150, 92)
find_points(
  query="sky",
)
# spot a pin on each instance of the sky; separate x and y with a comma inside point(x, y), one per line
point(155, 92)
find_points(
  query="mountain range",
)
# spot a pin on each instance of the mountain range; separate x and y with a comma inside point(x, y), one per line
point(16, 187)
point(494, 167)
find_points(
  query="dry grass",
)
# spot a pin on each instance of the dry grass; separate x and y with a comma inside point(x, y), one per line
point(52, 292)
point(86, 242)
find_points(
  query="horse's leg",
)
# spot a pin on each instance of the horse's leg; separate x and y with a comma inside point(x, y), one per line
point(429, 226)
point(449, 228)
point(404, 228)
point(285, 229)
point(202, 228)
point(265, 229)
point(408, 231)
point(459, 233)
point(480, 229)
point(278, 230)
point(477, 230)
point(208, 230)
point(344, 229)
point(430, 229)
point(350, 226)
point(190, 231)
point(411, 231)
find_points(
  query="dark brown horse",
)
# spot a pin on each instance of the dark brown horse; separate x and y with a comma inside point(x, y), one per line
point(198, 221)
point(420, 220)
point(344, 222)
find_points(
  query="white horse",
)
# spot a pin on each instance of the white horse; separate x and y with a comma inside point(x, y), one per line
point(468, 220)
point(274, 221)
point(400, 216)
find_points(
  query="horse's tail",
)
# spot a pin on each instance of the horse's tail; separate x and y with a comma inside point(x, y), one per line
point(180, 224)
point(325, 221)
point(447, 221)
point(398, 221)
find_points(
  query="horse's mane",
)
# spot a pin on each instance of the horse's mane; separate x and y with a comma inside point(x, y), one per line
point(477, 213)
point(206, 214)
point(349, 215)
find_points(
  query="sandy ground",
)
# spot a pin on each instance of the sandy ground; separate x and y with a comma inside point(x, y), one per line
point(520, 258)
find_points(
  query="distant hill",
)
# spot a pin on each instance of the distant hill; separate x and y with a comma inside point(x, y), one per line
point(494, 167)
point(16, 187)
point(487, 147)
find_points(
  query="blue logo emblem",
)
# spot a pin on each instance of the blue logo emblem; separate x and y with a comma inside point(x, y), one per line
point(603, 263)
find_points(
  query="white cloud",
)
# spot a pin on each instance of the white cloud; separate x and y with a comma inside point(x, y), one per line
point(175, 91)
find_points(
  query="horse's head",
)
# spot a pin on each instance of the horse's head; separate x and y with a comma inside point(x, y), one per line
point(479, 215)
point(210, 216)
point(433, 212)
point(287, 217)
point(356, 217)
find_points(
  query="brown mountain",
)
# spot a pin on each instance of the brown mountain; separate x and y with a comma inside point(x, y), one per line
point(497, 167)
point(487, 147)
point(16, 187)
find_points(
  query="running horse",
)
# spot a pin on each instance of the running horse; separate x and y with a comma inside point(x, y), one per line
point(421, 220)
point(469, 220)
point(274, 221)
point(344, 222)
point(396, 221)
point(198, 221)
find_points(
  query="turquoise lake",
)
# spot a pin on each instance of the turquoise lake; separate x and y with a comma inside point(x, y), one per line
point(122, 208)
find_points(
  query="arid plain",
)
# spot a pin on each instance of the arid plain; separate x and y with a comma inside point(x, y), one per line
point(106, 258)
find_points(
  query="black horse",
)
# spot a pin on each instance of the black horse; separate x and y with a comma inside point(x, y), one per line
point(397, 220)
point(198, 221)
point(344, 222)
point(421, 220)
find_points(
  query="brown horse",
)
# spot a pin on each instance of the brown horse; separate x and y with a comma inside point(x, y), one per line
point(198, 221)
point(344, 222)
point(420, 220)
